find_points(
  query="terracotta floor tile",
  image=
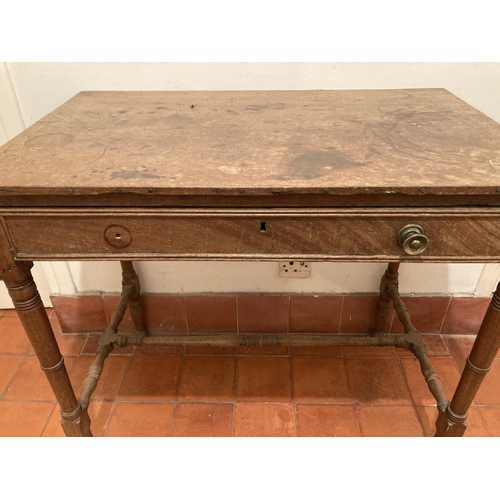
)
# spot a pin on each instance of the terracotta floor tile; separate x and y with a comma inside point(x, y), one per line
point(475, 427)
point(210, 350)
point(358, 314)
point(30, 382)
point(80, 313)
point(151, 378)
point(327, 420)
point(205, 419)
point(99, 412)
point(165, 314)
point(459, 345)
point(211, 314)
point(141, 420)
point(69, 344)
point(111, 377)
point(13, 338)
point(351, 351)
point(320, 380)
point(465, 315)
point(489, 392)
point(434, 344)
point(377, 381)
point(334, 351)
point(279, 350)
point(263, 313)
point(491, 415)
point(207, 378)
point(23, 419)
point(427, 314)
point(126, 325)
point(387, 421)
point(263, 379)
point(460, 362)
point(91, 344)
point(10, 313)
point(315, 314)
point(155, 350)
point(266, 420)
point(9, 365)
point(446, 371)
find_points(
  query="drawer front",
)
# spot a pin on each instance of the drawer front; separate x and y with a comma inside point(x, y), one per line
point(270, 235)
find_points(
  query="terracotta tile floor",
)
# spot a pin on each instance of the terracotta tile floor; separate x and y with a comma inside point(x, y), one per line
point(201, 391)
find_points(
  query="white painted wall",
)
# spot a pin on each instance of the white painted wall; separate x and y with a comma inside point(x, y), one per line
point(28, 91)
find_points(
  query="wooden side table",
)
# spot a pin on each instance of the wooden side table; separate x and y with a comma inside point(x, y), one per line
point(383, 175)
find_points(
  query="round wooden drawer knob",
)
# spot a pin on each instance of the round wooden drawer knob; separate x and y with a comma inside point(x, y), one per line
point(117, 236)
point(412, 239)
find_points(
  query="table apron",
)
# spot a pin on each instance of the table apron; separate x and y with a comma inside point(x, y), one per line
point(245, 234)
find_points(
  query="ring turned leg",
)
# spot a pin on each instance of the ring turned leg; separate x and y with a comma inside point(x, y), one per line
point(452, 422)
point(385, 301)
point(130, 278)
point(29, 307)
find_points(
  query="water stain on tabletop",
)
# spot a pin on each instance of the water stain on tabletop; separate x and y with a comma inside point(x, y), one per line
point(49, 141)
point(314, 164)
point(255, 107)
point(137, 174)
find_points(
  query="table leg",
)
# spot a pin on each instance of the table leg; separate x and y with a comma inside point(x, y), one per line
point(130, 278)
point(452, 422)
point(384, 306)
point(29, 307)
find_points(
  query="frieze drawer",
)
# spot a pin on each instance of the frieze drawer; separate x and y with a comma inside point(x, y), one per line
point(378, 234)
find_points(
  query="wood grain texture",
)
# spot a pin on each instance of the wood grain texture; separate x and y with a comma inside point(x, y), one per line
point(206, 143)
point(33, 316)
point(327, 234)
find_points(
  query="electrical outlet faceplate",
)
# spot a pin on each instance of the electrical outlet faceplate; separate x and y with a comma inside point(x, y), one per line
point(295, 269)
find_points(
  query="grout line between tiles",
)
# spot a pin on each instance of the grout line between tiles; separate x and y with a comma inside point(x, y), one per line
point(356, 416)
point(2, 395)
point(212, 402)
point(108, 422)
point(235, 388)
point(394, 315)
point(400, 363)
point(176, 397)
point(288, 315)
point(237, 315)
point(484, 421)
point(341, 312)
point(292, 394)
point(184, 303)
point(106, 427)
point(445, 314)
point(419, 418)
point(48, 418)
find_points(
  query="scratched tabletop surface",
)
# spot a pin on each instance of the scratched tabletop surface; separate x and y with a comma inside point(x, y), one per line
point(345, 142)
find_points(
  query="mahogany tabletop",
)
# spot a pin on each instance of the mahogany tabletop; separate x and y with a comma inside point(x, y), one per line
point(216, 143)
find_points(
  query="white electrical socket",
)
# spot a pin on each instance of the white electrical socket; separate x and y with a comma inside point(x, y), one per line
point(295, 269)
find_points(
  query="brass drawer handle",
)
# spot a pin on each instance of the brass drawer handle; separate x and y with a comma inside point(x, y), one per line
point(412, 238)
